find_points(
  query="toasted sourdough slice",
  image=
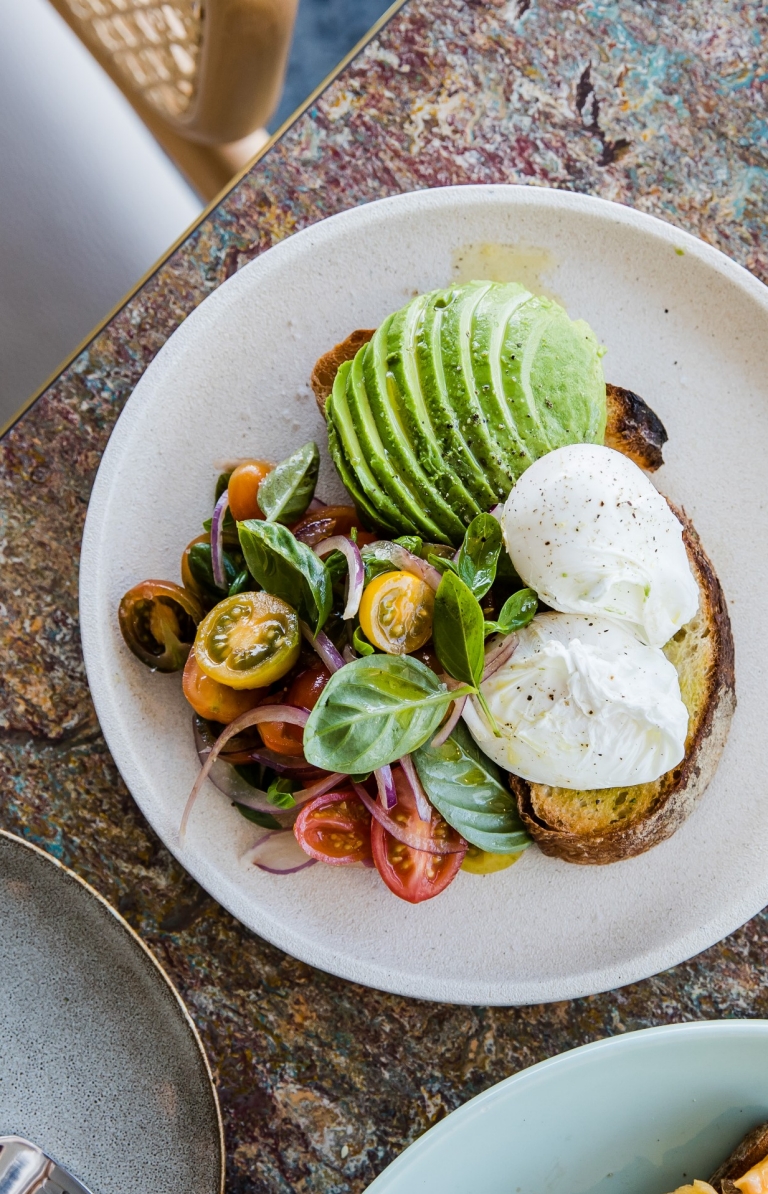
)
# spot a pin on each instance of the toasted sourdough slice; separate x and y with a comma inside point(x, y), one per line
point(631, 427)
point(752, 1150)
point(608, 824)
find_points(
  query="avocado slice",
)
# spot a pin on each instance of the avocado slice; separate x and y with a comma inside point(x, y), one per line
point(384, 511)
point(398, 479)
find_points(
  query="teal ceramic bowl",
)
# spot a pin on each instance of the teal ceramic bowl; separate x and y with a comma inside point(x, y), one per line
point(636, 1114)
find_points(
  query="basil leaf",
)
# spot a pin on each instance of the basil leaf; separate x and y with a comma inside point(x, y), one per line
point(361, 644)
point(285, 493)
point(479, 554)
point(469, 791)
point(288, 569)
point(515, 613)
point(373, 711)
point(280, 792)
point(201, 567)
point(265, 820)
point(442, 563)
point(457, 630)
point(221, 484)
point(376, 559)
point(411, 543)
point(243, 583)
point(337, 566)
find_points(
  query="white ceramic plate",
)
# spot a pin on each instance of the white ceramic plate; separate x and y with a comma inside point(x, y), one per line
point(100, 1063)
point(641, 1113)
point(687, 329)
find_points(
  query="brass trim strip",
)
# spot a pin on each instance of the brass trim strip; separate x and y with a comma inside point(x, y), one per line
point(123, 923)
point(308, 102)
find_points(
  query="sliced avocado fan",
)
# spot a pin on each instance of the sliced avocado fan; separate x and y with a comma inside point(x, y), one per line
point(454, 397)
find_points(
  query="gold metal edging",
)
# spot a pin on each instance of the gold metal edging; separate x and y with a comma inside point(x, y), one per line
point(21, 841)
point(233, 182)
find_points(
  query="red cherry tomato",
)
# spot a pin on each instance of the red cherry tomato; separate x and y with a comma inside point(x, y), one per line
point(335, 828)
point(304, 693)
point(332, 520)
point(243, 489)
point(414, 875)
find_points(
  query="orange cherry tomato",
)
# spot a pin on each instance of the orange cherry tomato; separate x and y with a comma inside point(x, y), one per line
point(332, 520)
point(244, 488)
point(304, 693)
point(396, 612)
point(335, 828)
point(414, 875)
point(214, 701)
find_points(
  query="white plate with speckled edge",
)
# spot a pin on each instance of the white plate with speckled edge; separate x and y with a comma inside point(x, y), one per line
point(686, 328)
point(638, 1113)
point(101, 1065)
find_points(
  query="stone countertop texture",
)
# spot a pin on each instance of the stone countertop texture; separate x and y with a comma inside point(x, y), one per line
point(660, 105)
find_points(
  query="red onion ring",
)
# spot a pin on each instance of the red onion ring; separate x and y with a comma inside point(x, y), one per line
point(324, 647)
point(277, 843)
point(498, 655)
point(253, 717)
point(351, 553)
point(217, 541)
point(348, 654)
point(446, 729)
point(414, 840)
point(406, 561)
point(386, 786)
point(320, 788)
point(423, 807)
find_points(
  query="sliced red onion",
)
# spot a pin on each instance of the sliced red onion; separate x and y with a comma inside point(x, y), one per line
point(205, 739)
point(423, 807)
point(253, 717)
point(278, 853)
point(315, 532)
point(351, 553)
point(217, 540)
point(406, 561)
point(348, 654)
point(320, 788)
point(386, 785)
point(499, 655)
point(447, 728)
point(324, 647)
point(415, 840)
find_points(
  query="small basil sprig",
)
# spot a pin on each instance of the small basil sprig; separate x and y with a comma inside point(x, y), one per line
point(280, 792)
point(479, 554)
point(374, 711)
point(516, 612)
point(469, 791)
point(361, 644)
point(285, 493)
point(288, 569)
point(457, 632)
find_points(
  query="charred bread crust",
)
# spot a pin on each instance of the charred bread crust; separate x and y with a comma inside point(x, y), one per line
point(681, 788)
point(752, 1150)
point(633, 428)
point(326, 368)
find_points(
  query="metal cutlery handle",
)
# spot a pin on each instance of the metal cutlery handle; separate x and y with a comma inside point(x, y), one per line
point(25, 1169)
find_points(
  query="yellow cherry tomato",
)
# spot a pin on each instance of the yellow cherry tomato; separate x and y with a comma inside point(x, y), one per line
point(480, 862)
point(243, 489)
point(396, 612)
point(212, 700)
point(248, 641)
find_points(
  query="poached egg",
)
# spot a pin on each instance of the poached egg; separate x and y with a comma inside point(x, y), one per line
point(587, 530)
point(582, 704)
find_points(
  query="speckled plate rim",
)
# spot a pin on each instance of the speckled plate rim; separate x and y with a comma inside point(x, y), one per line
point(136, 940)
point(650, 959)
point(399, 1177)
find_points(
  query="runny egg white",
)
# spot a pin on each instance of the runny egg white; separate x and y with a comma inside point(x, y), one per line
point(582, 704)
point(586, 529)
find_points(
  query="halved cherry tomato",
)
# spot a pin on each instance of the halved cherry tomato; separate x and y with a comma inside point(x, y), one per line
point(332, 520)
point(335, 828)
point(214, 701)
point(480, 862)
point(248, 641)
point(396, 612)
point(244, 488)
point(414, 875)
point(304, 693)
point(158, 620)
point(187, 579)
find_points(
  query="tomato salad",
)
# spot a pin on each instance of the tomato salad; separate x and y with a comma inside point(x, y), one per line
point(327, 670)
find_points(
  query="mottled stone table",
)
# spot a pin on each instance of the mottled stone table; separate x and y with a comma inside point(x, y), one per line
point(659, 104)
